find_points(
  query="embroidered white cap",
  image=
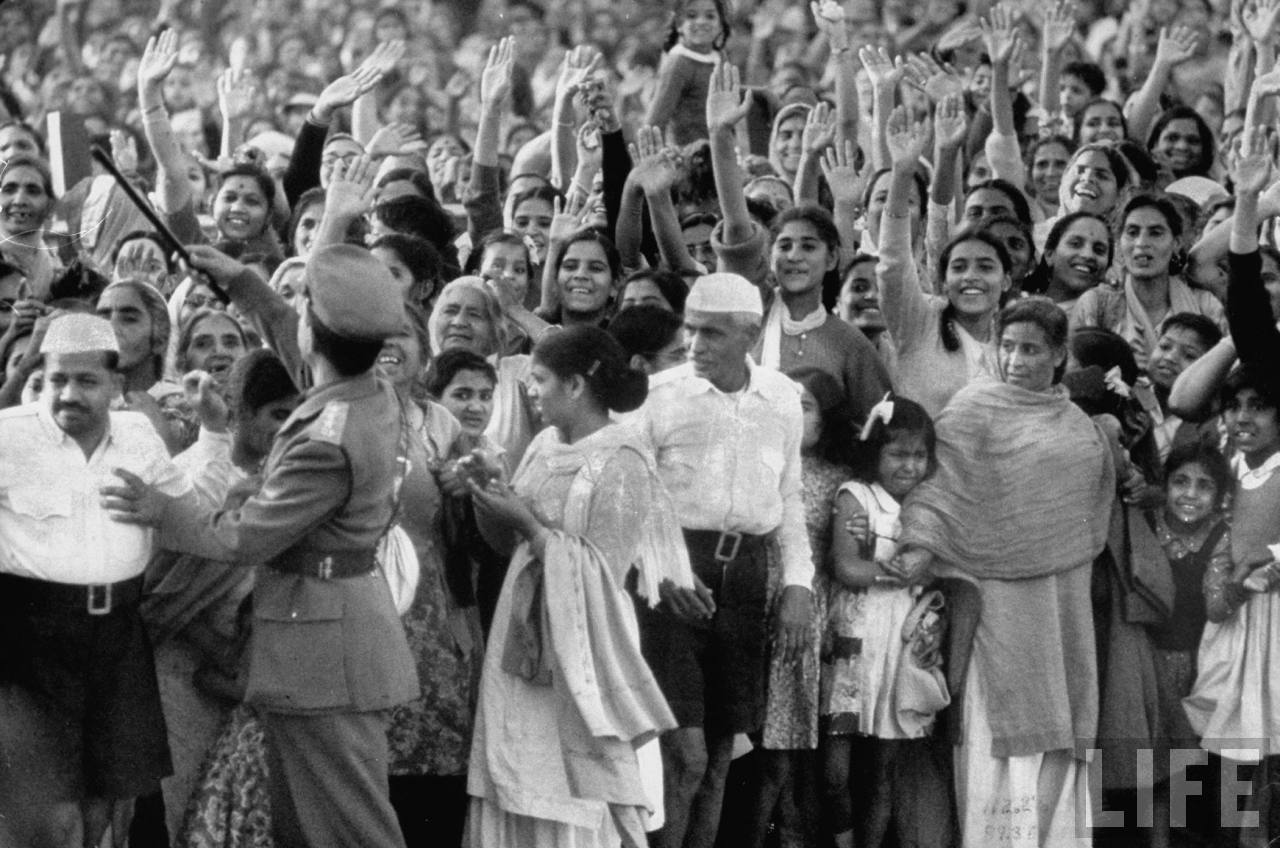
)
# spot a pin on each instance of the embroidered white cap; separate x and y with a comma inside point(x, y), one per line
point(724, 293)
point(79, 333)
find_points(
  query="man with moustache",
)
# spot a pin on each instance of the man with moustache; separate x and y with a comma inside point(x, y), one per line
point(70, 584)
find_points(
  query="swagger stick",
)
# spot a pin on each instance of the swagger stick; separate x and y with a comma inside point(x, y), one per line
point(162, 229)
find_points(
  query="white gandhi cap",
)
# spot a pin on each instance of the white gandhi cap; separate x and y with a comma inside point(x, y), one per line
point(724, 293)
point(79, 333)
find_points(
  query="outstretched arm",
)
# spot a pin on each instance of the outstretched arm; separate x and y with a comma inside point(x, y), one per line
point(1175, 47)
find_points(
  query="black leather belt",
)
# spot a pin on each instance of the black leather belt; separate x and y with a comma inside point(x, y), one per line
point(91, 599)
point(326, 565)
point(724, 546)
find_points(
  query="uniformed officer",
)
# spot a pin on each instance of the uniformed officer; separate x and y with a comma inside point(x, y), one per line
point(328, 655)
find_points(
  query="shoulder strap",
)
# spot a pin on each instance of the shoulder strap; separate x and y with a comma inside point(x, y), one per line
point(402, 469)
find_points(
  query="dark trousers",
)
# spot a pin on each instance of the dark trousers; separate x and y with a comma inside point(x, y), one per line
point(329, 781)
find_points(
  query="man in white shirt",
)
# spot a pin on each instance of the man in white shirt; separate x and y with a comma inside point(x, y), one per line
point(726, 434)
point(71, 579)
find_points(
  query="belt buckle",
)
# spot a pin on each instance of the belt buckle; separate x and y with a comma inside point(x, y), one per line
point(736, 543)
point(98, 601)
point(326, 568)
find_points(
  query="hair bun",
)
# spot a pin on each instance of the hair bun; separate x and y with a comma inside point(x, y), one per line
point(626, 390)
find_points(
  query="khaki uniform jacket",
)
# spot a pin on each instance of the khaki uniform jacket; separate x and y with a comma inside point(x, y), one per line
point(318, 645)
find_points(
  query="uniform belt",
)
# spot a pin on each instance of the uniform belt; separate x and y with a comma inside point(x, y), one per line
point(326, 565)
point(724, 545)
point(91, 599)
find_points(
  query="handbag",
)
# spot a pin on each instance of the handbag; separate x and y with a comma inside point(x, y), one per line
point(919, 686)
point(397, 560)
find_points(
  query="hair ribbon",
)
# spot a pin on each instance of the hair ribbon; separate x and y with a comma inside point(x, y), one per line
point(882, 412)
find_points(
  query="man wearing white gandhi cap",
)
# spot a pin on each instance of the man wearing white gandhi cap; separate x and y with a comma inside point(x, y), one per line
point(726, 434)
point(71, 579)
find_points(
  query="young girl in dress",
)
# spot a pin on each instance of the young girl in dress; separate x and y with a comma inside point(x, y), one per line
point(863, 646)
point(1236, 698)
point(1192, 528)
point(699, 30)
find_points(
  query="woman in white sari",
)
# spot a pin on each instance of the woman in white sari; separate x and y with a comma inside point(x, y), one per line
point(565, 696)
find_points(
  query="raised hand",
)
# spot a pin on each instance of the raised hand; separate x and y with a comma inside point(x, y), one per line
point(351, 191)
point(819, 130)
point(396, 139)
point(905, 139)
point(203, 396)
point(950, 123)
point(1253, 165)
point(829, 16)
point(158, 59)
point(1176, 45)
point(727, 103)
point(384, 57)
point(124, 150)
point(1059, 26)
point(1260, 20)
point(495, 79)
point(235, 94)
point(579, 63)
point(840, 168)
point(566, 218)
point(933, 78)
point(881, 70)
point(347, 88)
point(655, 166)
point(1000, 33)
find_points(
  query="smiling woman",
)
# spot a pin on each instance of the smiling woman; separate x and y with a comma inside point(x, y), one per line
point(26, 199)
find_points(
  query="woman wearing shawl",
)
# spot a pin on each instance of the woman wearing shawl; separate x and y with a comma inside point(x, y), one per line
point(565, 695)
point(1019, 508)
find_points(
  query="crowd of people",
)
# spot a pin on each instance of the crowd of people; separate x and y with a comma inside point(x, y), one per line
point(682, 423)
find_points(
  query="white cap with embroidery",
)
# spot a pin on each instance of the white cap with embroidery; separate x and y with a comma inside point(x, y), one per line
point(79, 333)
point(724, 292)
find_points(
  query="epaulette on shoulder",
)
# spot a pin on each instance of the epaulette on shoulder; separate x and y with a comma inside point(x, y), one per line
point(332, 422)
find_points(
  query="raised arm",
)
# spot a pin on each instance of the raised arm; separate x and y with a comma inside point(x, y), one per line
point(656, 175)
point(579, 63)
point(950, 129)
point(350, 195)
point(885, 76)
point(904, 304)
point(818, 135)
point(1175, 47)
point(829, 16)
point(304, 165)
point(235, 102)
point(158, 59)
point(727, 104)
point(482, 200)
point(566, 221)
point(1001, 36)
point(839, 166)
point(1260, 22)
point(1055, 35)
point(1253, 326)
